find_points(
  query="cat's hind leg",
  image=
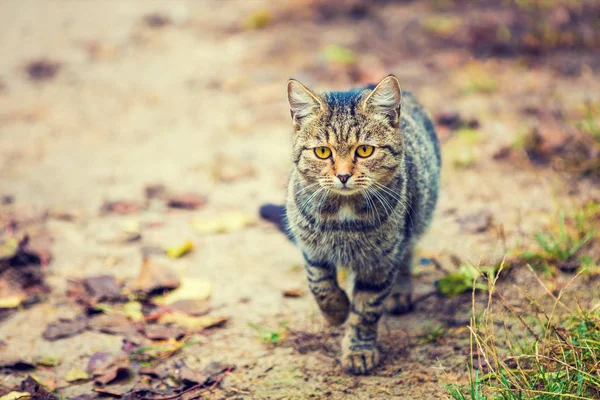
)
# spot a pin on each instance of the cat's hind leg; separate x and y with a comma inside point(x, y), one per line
point(400, 299)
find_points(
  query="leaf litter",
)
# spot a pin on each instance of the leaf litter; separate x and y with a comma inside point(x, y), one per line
point(233, 221)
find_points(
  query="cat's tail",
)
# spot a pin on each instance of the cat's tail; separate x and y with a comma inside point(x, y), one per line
point(277, 216)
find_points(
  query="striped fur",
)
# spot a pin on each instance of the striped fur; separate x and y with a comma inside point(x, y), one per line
point(372, 224)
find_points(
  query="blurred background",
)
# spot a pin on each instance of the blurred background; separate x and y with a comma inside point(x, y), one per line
point(138, 132)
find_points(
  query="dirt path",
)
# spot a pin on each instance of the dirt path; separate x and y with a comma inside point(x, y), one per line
point(134, 105)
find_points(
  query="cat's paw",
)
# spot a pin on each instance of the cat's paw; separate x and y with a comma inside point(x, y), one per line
point(335, 307)
point(360, 362)
point(399, 303)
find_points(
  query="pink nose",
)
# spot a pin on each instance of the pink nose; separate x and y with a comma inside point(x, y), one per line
point(344, 178)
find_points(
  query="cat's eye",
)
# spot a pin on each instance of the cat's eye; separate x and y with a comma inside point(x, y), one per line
point(322, 152)
point(364, 150)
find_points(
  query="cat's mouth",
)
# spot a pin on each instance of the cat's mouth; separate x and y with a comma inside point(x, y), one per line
point(346, 191)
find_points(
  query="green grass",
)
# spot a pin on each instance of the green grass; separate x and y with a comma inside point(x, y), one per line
point(271, 336)
point(590, 124)
point(561, 363)
point(562, 243)
point(519, 350)
point(433, 334)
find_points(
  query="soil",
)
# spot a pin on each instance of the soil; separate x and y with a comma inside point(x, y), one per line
point(99, 101)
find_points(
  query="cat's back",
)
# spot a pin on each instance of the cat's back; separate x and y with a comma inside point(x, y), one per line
point(422, 160)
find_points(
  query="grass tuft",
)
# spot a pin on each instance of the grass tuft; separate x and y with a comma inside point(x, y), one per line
point(520, 351)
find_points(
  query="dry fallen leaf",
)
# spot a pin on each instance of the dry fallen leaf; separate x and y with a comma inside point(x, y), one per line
point(11, 301)
point(38, 392)
point(16, 396)
point(102, 288)
point(64, 328)
point(293, 292)
point(192, 323)
point(113, 324)
point(133, 311)
point(162, 332)
point(190, 289)
point(186, 201)
point(230, 222)
point(195, 307)
point(113, 373)
point(154, 278)
point(76, 374)
point(48, 361)
point(180, 251)
point(99, 362)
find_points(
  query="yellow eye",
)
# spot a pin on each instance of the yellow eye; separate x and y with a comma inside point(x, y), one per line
point(364, 150)
point(322, 152)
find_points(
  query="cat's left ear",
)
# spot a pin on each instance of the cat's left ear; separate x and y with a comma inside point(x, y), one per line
point(384, 101)
point(304, 103)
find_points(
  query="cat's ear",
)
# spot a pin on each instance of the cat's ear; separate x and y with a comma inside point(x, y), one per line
point(303, 102)
point(384, 100)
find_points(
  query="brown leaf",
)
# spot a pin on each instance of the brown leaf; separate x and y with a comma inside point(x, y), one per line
point(37, 391)
point(162, 332)
point(98, 362)
point(157, 20)
point(129, 346)
point(103, 288)
point(84, 397)
point(293, 292)
point(113, 374)
point(41, 70)
point(154, 278)
point(113, 324)
point(195, 307)
point(186, 201)
point(193, 323)
point(154, 372)
point(188, 376)
point(64, 328)
point(155, 191)
point(109, 392)
point(119, 207)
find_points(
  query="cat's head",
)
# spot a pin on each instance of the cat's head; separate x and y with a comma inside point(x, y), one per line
point(347, 141)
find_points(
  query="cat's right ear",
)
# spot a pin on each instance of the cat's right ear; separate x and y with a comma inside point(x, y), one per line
point(304, 104)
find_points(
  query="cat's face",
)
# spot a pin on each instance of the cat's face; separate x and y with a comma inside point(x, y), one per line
point(349, 141)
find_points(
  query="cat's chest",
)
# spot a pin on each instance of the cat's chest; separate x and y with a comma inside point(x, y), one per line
point(345, 213)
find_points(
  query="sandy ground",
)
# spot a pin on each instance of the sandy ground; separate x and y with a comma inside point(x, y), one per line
point(133, 105)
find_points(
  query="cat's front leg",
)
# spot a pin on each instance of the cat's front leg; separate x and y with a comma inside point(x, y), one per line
point(359, 346)
point(332, 300)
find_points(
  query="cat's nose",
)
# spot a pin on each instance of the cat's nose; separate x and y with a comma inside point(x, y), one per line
point(344, 178)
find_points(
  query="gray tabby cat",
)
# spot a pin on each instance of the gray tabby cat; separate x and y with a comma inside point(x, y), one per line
point(362, 191)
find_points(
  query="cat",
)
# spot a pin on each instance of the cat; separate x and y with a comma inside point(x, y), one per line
point(361, 192)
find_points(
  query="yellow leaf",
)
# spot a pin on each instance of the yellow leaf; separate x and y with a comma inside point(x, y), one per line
point(16, 396)
point(76, 374)
point(8, 248)
point(191, 288)
point(230, 222)
point(258, 20)
point(133, 311)
point(48, 361)
point(192, 323)
point(180, 251)
point(11, 301)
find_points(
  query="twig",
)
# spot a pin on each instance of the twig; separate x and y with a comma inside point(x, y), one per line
point(195, 387)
